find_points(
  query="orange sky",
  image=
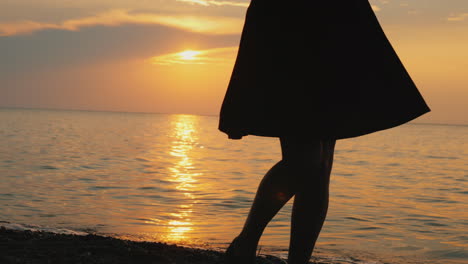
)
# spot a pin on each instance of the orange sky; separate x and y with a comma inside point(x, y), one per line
point(176, 56)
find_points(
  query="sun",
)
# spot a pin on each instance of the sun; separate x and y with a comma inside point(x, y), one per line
point(188, 54)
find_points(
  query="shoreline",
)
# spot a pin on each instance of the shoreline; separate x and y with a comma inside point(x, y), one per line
point(36, 246)
point(28, 246)
point(46, 247)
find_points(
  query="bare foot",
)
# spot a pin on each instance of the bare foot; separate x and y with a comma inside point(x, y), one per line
point(241, 251)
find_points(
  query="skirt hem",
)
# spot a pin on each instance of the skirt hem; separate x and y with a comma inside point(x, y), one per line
point(237, 134)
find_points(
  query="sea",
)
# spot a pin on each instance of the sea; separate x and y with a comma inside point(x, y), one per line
point(397, 196)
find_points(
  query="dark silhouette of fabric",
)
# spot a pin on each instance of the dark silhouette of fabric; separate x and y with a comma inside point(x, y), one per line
point(321, 69)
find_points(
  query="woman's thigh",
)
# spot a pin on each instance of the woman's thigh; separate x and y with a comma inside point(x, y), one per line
point(306, 151)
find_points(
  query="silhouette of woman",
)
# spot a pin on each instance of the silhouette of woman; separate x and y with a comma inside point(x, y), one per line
point(310, 73)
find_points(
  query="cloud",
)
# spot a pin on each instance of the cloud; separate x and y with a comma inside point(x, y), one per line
point(376, 8)
point(214, 3)
point(208, 56)
point(459, 17)
point(56, 49)
point(198, 24)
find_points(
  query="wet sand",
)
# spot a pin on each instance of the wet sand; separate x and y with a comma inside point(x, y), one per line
point(43, 247)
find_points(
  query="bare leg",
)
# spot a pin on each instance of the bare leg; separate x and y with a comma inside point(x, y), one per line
point(310, 208)
point(274, 191)
point(301, 161)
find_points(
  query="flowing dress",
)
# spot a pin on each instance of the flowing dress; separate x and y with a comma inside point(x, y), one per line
point(316, 68)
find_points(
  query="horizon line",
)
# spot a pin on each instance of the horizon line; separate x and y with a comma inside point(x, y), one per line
point(165, 113)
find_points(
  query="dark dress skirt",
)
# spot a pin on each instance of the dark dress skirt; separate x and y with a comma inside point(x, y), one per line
point(318, 69)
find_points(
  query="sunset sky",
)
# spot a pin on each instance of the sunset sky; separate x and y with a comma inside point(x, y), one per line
point(176, 56)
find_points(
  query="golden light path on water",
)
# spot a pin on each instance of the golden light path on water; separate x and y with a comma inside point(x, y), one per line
point(184, 128)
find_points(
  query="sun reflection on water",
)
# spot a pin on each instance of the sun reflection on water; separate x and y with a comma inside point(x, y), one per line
point(181, 173)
